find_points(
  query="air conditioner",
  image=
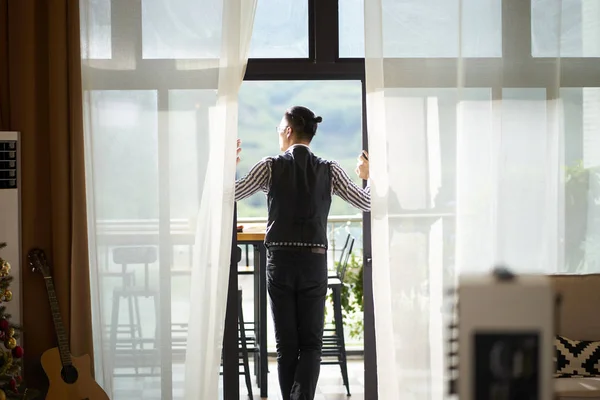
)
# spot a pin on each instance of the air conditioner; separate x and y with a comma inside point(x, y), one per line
point(10, 216)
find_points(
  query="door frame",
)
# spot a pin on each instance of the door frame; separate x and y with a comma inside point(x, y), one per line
point(324, 64)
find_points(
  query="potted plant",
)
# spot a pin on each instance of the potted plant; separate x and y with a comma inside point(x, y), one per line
point(352, 297)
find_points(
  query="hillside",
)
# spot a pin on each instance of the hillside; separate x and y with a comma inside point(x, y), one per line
point(261, 106)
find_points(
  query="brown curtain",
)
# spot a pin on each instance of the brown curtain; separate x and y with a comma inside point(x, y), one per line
point(40, 94)
point(4, 121)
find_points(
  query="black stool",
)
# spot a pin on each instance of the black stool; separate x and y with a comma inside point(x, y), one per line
point(244, 348)
point(131, 292)
point(334, 345)
point(250, 330)
point(247, 344)
point(127, 278)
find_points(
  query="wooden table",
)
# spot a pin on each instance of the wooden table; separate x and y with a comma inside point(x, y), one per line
point(256, 239)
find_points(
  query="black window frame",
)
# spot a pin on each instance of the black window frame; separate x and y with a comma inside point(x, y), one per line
point(323, 62)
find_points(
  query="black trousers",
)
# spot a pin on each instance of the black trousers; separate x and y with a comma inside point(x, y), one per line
point(297, 285)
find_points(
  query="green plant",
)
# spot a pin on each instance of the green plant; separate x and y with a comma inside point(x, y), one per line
point(582, 187)
point(352, 297)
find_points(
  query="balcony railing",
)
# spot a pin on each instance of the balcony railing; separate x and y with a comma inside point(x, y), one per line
point(181, 237)
point(115, 233)
point(338, 228)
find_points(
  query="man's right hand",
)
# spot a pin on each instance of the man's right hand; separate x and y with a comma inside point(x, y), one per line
point(362, 166)
point(239, 149)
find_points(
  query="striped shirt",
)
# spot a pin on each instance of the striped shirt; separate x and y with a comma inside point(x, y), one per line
point(259, 179)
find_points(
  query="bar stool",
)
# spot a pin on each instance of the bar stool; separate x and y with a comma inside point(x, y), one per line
point(245, 347)
point(131, 292)
point(249, 327)
point(334, 345)
point(127, 278)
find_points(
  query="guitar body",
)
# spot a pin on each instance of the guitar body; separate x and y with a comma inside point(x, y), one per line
point(70, 377)
point(75, 383)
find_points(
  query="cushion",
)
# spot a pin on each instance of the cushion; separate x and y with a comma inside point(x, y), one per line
point(576, 358)
point(577, 388)
point(578, 313)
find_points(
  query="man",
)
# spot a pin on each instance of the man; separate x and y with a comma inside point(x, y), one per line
point(299, 187)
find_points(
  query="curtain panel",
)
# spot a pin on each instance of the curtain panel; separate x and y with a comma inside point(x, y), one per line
point(482, 119)
point(40, 96)
point(161, 81)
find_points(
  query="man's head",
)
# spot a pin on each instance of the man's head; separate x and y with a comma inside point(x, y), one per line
point(298, 126)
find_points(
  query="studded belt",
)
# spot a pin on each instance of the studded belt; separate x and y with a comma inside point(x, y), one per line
point(318, 250)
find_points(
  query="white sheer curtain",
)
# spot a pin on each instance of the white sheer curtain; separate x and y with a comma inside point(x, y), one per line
point(481, 118)
point(161, 80)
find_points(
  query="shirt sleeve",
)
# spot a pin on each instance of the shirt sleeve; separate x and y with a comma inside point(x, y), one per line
point(349, 191)
point(257, 179)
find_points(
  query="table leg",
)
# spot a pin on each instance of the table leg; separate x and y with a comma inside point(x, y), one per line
point(257, 301)
point(264, 364)
point(165, 325)
point(231, 387)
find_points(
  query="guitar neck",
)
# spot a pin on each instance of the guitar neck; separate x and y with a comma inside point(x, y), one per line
point(61, 334)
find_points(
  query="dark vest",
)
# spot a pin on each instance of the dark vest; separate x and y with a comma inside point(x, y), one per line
point(299, 199)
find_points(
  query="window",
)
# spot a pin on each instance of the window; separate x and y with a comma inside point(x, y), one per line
point(582, 176)
point(436, 38)
point(351, 28)
point(579, 28)
point(579, 19)
point(428, 177)
point(294, 58)
point(179, 29)
point(148, 118)
point(96, 26)
point(183, 29)
point(280, 29)
point(339, 137)
point(125, 144)
point(188, 120)
point(125, 127)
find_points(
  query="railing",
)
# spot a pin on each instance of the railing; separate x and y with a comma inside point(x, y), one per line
point(338, 226)
point(110, 234)
point(113, 233)
point(181, 238)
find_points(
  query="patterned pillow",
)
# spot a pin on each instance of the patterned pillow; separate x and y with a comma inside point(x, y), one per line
point(576, 358)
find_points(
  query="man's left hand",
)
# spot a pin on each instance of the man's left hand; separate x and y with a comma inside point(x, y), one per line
point(239, 150)
point(362, 166)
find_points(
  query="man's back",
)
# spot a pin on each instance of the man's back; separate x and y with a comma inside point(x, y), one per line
point(299, 199)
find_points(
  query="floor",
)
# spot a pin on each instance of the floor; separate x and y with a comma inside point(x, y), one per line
point(330, 384)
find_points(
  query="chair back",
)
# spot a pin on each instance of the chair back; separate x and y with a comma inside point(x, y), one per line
point(344, 258)
point(145, 256)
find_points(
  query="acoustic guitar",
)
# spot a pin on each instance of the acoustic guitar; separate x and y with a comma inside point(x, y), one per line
point(70, 377)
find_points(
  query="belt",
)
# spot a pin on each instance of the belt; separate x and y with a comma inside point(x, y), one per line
point(318, 250)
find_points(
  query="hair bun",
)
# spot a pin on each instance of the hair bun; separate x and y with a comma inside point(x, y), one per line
point(318, 120)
